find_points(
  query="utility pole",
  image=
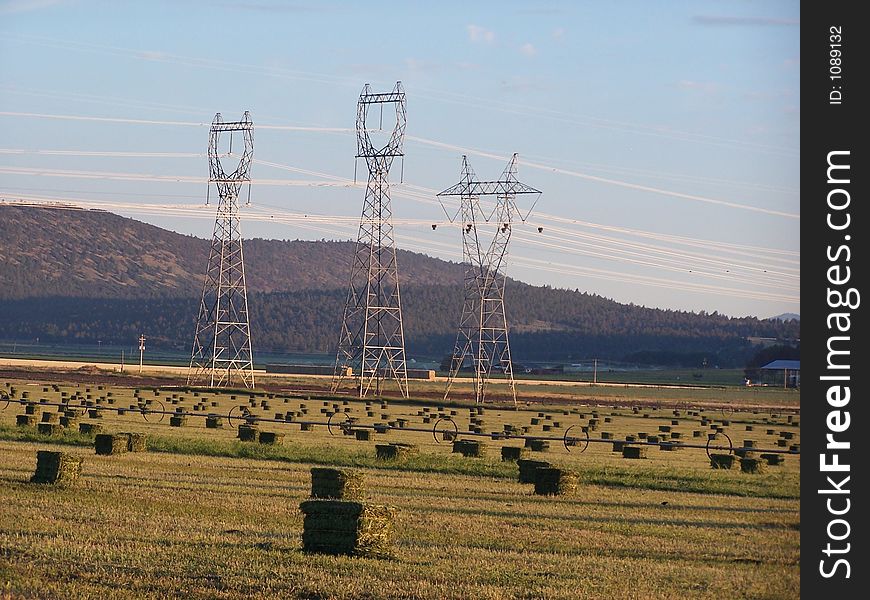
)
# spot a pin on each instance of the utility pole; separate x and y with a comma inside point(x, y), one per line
point(594, 370)
point(221, 351)
point(483, 332)
point(141, 350)
point(372, 338)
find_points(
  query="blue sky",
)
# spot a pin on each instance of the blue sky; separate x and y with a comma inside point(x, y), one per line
point(664, 135)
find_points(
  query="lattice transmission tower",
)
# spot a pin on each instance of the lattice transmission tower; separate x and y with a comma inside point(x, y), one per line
point(371, 345)
point(221, 352)
point(482, 341)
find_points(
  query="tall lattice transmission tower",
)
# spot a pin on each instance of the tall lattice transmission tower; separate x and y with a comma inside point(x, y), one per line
point(221, 352)
point(482, 341)
point(372, 340)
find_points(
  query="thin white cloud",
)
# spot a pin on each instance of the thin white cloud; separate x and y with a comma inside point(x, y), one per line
point(415, 65)
point(743, 21)
point(153, 55)
point(558, 33)
point(704, 87)
point(8, 7)
point(528, 49)
point(478, 34)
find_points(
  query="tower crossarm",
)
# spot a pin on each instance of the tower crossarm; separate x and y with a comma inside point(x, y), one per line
point(489, 188)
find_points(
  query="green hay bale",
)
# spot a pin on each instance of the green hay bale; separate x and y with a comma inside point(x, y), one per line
point(31, 409)
point(49, 428)
point(721, 461)
point(537, 445)
point(136, 442)
point(395, 451)
point(469, 448)
point(177, 421)
point(347, 528)
point(751, 465)
point(248, 433)
point(336, 484)
point(90, 428)
point(629, 451)
point(95, 413)
point(664, 428)
point(271, 437)
point(50, 417)
point(618, 446)
point(106, 444)
point(363, 435)
point(30, 421)
point(513, 453)
point(69, 422)
point(550, 481)
point(606, 435)
point(527, 469)
point(306, 427)
point(57, 468)
point(773, 459)
point(214, 422)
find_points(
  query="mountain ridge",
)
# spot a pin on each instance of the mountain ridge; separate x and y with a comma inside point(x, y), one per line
point(88, 275)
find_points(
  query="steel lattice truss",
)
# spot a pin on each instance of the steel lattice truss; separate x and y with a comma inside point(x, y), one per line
point(221, 352)
point(482, 339)
point(372, 340)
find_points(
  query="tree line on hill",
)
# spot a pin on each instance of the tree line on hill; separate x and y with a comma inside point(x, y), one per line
point(546, 325)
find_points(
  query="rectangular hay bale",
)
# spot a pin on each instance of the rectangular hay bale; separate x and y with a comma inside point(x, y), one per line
point(513, 453)
point(271, 437)
point(634, 452)
point(56, 468)
point(336, 484)
point(550, 481)
point(347, 528)
point(527, 469)
point(106, 444)
point(469, 448)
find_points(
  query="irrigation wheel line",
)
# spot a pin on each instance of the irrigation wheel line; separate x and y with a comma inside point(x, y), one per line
point(730, 445)
point(455, 429)
point(434, 430)
point(7, 398)
point(565, 440)
point(145, 411)
point(242, 409)
point(344, 426)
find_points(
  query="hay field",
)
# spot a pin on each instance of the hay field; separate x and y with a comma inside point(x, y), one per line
point(203, 515)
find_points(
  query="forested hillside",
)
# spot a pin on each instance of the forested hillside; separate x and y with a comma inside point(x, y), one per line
point(82, 276)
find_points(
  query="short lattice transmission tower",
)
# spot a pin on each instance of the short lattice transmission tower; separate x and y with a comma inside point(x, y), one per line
point(371, 346)
point(221, 353)
point(482, 341)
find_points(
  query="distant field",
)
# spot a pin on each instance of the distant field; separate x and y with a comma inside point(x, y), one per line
point(202, 515)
